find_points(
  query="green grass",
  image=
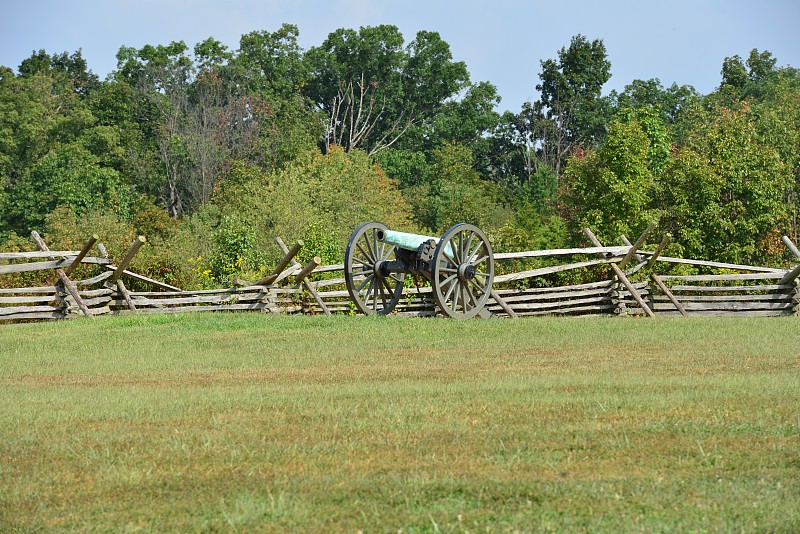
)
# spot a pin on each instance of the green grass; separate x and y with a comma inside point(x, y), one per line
point(248, 422)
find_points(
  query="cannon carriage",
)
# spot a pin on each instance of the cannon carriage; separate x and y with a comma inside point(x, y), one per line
point(459, 267)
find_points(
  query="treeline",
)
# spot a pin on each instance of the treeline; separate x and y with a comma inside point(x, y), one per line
point(211, 152)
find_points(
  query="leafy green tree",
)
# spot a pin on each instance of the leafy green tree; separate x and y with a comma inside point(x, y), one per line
point(409, 167)
point(211, 55)
point(539, 192)
point(722, 195)
point(71, 68)
point(512, 152)
point(71, 176)
point(609, 189)
point(761, 65)
point(669, 102)
point(318, 197)
point(35, 112)
point(161, 77)
point(777, 120)
point(652, 124)
point(194, 117)
point(754, 80)
point(52, 149)
point(734, 73)
point(269, 63)
point(570, 111)
point(457, 194)
point(468, 121)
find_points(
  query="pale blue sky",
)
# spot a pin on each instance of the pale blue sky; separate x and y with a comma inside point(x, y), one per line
point(501, 41)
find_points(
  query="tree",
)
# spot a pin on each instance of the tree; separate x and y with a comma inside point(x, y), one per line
point(211, 55)
point(269, 64)
point(320, 198)
point(52, 151)
point(570, 111)
point(754, 80)
point(71, 68)
point(409, 167)
point(372, 89)
point(722, 195)
point(457, 194)
point(761, 65)
point(652, 123)
point(609, 189)
point(195, 121)
point(734, 73)
point(669, 102)
point(67, 176)
point(468, 121)
point(776, 118)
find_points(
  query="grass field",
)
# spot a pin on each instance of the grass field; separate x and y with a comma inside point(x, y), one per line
point(248, 422)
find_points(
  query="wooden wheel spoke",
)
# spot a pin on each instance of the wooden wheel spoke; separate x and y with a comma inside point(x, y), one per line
point(450, 289)
point(382, 292)
point(467, 247)
point(364, 252)
point(474, 252)
point(372, 244)
point(471, 294)
point(367, 280)
point(479, 287)
point(448, 258)
point(368, 290)
point(449, 279)
point(358, 278)
point(464, 300)
point(386, 252)
point(481, 260)
point(456, 294)
point(365, 263)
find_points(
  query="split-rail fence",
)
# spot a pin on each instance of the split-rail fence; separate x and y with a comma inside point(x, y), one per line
point(628, 280)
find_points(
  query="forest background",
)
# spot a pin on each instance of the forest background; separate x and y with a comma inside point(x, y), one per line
point(212, 152)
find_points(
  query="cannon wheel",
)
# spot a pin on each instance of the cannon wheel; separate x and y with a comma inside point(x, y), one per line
point(463, 271)
point(372, 292)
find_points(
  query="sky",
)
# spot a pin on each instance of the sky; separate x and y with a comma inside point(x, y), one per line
point(501, 41)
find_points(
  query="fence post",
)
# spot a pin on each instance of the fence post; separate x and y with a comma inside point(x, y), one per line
point(137, 244)
point(68, 285)
point(621, 276)
point(309, 267)
point(79, 258)
point(287, 258)
point(635, 247)
point(305, 281)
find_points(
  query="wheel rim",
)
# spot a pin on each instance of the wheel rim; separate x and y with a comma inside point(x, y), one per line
point(372, 292)
point(463, 271)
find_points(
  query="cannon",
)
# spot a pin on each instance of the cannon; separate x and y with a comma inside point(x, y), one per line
point(459, 266)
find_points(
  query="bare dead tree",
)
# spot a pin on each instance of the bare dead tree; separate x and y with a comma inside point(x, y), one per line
point(357, 112)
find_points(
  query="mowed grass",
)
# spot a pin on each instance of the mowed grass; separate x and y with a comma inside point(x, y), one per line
point(249, 422)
